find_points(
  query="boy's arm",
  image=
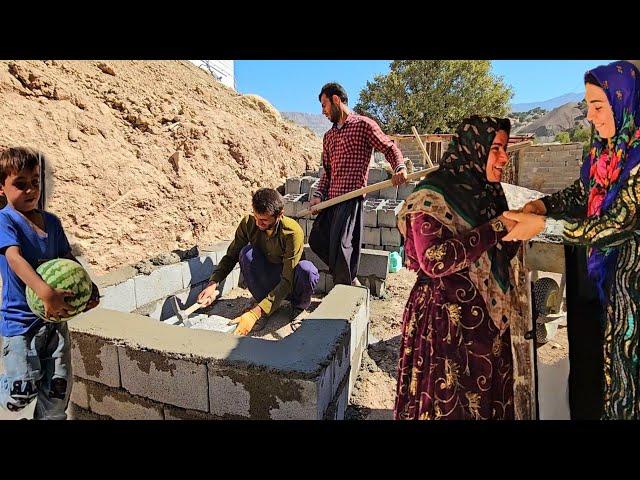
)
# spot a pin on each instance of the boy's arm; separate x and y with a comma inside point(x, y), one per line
point(53, 299)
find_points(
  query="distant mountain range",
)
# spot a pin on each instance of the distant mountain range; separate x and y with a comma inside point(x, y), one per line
point(316, 122)
point(548, 104)
point(561, 119)
point(556, 115)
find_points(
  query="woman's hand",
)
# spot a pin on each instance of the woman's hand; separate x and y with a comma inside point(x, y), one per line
point(528, 226)
point(536, 207)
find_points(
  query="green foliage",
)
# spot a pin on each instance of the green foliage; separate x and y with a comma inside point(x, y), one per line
point(433, 94)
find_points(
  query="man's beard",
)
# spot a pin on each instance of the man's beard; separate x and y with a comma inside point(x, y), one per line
point(335, 113)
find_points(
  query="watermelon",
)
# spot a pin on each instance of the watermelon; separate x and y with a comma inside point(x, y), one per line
point(67, 275)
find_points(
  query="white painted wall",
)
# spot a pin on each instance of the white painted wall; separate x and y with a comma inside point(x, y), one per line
point(223, 70)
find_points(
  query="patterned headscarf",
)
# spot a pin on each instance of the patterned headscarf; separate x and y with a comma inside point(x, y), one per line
point(605, 172)
point(462, 180)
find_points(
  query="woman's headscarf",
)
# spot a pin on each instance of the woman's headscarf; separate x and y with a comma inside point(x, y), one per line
point(605, 172)
point(462, 180)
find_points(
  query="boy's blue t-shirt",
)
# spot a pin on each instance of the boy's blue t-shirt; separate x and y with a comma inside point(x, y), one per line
point(16, 316)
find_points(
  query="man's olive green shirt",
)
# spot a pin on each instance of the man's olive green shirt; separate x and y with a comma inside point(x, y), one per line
point(285, 246)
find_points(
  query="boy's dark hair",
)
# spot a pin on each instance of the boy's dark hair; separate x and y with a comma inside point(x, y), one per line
point(16, 159)
point(267, 201)
point(331, 89)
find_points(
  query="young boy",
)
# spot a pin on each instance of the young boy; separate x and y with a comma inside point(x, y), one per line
point(35, 354)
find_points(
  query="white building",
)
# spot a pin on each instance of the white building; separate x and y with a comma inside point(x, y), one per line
point(222, 70)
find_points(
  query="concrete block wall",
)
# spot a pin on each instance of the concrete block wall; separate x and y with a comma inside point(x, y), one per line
point(380, 230)
point(436, 145)
point(126, 290)
point(549, 167)
point(372, 271)
point(130, 367)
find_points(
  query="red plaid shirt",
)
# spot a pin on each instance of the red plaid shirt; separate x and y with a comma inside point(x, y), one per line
point(346, 153)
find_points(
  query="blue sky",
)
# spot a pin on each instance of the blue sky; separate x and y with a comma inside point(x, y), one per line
point(293, 85)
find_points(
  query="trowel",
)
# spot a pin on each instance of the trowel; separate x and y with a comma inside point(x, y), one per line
point(183, 315)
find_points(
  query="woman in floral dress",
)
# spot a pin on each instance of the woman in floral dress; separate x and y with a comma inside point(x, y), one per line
point(455, 358)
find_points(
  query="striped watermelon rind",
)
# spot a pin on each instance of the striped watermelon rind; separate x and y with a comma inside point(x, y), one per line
point(67, 275)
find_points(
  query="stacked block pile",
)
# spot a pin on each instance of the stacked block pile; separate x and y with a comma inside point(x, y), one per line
point(380, 231)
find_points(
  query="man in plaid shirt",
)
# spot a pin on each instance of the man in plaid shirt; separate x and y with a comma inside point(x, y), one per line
point(346, 153)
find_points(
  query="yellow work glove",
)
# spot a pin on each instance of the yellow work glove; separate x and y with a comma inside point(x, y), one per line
point(247, 320)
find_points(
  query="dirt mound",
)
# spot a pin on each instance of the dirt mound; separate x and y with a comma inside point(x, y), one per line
point(148, 156)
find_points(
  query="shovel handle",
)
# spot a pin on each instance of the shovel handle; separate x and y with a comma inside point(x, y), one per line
point(191, 309)
point(195, 306)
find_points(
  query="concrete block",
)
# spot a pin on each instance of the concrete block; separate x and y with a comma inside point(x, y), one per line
point(306, 183)
point(293, 204)
point(313, 188)
point(303, 225)
point(376, 175)
point(305, 206)
point(373, 195)
point(390, 193)
point(300, 406)
point(333, 377)
point(260, 395)
point(406, 189)
point(340, 304)
point(292, 186)
point(371, 235)
point(373, 262)
point(94, 358)
point(198, 269)
point(120, 297)
point(79, 394)
point(391, 236)
point(175, 413)
point(154, 375)
point(388, 213)
point(311, 220)
point(370, 212)
point(119, 405)
point(315, 259)
point(162, 282)
point(336, 409)
point(76, 412)
point(289, 206)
